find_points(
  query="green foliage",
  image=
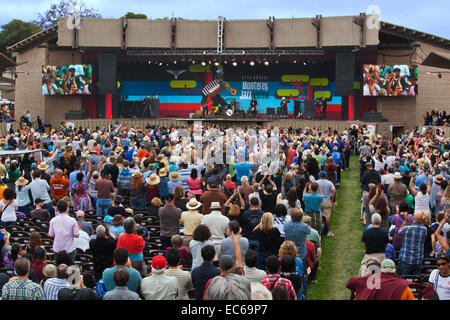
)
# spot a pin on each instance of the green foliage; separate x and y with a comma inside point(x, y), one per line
point(65, 8)
point(16, 31)
point(132, 15)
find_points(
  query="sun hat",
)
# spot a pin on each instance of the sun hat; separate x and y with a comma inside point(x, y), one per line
point(107, 219)
point(153, 179)
point(439, 178)
point(137, 173)
point(193, 204)
point(398, 176)
point(42, 166)
point(22, 181)
point(174, 176)
point(162, 172)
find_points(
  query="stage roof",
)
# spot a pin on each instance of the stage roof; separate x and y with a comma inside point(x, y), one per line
point(437, 60)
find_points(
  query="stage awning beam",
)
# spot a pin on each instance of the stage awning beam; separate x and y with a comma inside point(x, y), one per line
point(437, 60)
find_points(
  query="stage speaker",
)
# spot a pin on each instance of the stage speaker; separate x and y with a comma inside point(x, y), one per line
point(372, 117)
point(345, 73)
point(308, 112)
point(270, 112)
point(107, 73)
point(297, 107)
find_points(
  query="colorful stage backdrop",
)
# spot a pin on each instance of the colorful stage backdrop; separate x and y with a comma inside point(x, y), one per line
point(180, 90)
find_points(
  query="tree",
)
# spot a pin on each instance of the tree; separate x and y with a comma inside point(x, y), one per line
point(16, 31)
point(65, 8)
point(132, 15)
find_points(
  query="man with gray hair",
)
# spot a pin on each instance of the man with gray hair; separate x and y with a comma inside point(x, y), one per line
point(134, 244)
point(102, 248)
point(375, 241)
point(76, 289)
point(54, 285)
point(121, 291)
point(229, 287)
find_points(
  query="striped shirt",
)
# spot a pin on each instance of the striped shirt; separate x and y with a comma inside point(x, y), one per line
point(412, 248)
point(52, 287)
point(184, 282)
point(269, 280)
point(185, 175)
point(22, 289)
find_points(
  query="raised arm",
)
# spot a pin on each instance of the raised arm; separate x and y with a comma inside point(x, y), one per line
point(440, 238)
point(411, 185)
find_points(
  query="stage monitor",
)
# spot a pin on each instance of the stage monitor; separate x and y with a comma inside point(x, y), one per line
point(74, 79)
point(390, 80)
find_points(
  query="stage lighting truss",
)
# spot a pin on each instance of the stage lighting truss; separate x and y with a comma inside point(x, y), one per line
point(213, 53)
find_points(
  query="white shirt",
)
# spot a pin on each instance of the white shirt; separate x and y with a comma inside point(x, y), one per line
point(82, 242)
point(422, 202)
point(443, 285)
point(387, 179)
point(39, 189)
point(217, 224)
point(8, 215)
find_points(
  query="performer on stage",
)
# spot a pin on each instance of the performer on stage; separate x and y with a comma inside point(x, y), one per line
point(252, 110)
point(147, 104)
point(283, 106)
point(212, 90)
point(323, 107)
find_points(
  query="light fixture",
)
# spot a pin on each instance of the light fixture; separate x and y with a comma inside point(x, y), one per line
point(193, 61)
point(160, 63)
point(216, 63)
point(304, 63)
point(295, 61)
point(266, 63)
point(252, 63)
point(174, 61)
point(234, 63)
point(203, 63)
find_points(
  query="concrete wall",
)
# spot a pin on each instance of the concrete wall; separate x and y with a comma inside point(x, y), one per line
point(29, 86)
point(434, 92)
point(193, 34)
point(294, 33)
point(148, 33)
point(246, 34)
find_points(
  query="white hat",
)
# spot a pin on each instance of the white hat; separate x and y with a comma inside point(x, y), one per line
point(215, 205)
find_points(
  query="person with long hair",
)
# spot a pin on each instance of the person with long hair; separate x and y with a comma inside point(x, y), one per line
point(22, 195)
point(292, 201)
point(80, 195)
point(365, 210)
point(33, 243)
point(8, 206)
point(137, 191)
point(180, 198)
point(269, 239)
point(195, 183)
point(445, 199)
point(288, 248)
point(378, 204)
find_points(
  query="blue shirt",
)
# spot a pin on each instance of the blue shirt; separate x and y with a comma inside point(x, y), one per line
point(73, 178)
point(297, 232)
point(129, 155)
point(312, 202)
point(135, 278)
point(242, 169)
point(336, 157)
point(200, 277)
point(412, 248)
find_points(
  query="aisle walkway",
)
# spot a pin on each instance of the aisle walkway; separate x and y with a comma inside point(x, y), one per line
point(342, 254)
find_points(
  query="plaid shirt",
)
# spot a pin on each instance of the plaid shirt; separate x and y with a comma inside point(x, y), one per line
point(22, 289)
point(269, 280)
point(52, 287)
point(411, 251)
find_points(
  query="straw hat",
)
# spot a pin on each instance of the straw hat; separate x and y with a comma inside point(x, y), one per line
point(174, 176)
point(163, 172)
point(193, 204)
point(398, 176)
point(215, 205)
point(439, 178)
point(42, 166)
point(153, 179)
point(22, 181)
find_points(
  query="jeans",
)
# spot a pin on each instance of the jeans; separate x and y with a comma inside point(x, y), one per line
point(165, 242)
point(47, 206)
point(7, 224)
point(102, 206)
point(409, 269)
point(262, 260)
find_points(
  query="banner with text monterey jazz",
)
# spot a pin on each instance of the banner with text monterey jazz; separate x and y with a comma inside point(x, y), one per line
point(180, 91)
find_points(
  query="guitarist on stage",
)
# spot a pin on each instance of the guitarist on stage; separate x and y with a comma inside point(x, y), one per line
point(252, 110)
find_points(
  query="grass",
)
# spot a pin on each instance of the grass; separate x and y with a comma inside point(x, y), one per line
point(341, 254)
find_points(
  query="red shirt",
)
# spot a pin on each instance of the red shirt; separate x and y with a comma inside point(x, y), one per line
point(133, 243)
point(59, 187)
point(310, 253)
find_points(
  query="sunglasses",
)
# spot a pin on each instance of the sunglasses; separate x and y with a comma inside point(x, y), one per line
point(441, 264)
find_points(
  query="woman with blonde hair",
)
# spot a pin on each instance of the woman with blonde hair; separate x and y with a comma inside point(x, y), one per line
point(152, 210)
point(445, 200)
point(269, 239)
point(288, 248)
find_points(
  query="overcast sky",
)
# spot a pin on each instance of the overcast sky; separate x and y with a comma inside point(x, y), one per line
point(428, 16)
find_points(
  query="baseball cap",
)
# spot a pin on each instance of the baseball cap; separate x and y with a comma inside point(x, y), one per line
point(226, 262)
point(159, 262)
point(387, 264)
point(443, 256)
point(108, 219)
point(322, 174)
